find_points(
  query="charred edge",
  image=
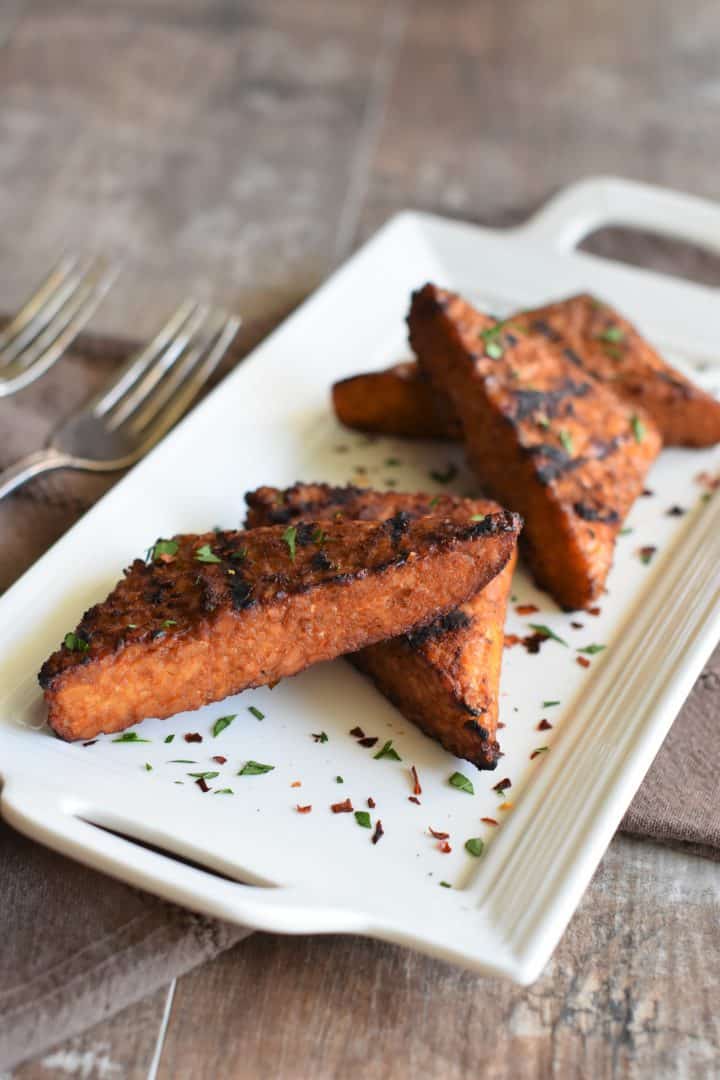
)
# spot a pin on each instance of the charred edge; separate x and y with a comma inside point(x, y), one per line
point(528, 401)
point(594, 513)
point(295, 505)
point(476, 729)
point(684, 388)
point(559, 462)
point(320, 561)
point(573, 357)
point(446, 624)
point(397, 526)
point(241, 594)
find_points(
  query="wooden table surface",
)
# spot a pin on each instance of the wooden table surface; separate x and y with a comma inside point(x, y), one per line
point(241, 151)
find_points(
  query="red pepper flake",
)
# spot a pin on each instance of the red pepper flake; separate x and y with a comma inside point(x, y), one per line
point(379, 831)
point(576, 625)
point(502, 785)
point(489, 820)
point(296, 783)
point(500, 724)
point(438, 835)
point(358, 733)
point(411, 798)
point(544, 725)
point(371, 803)
point(594, 611)
point(540, 750)
point(582, 661)
point(193, 736)
point(219, 759)
point(345, 807)
point(304, 809)
point(368, 742)
point(511, 640)
point(676, 511)
point(647, 493)
point(91, 743)
point(445, 847)
point(506, 806)
point(201, 784)
point(646, 553)
point(417, 790)
point(527, 609)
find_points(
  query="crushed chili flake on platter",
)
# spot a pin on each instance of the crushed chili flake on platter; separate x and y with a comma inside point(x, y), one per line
point(506, 806)
point(445, 847)
point(371, 803)
point(576, 625)
point(345, 807)
point(304, 809)
point(594, 611)
point(357, 732)
point(296, 783)
point(582, 661)
point(219, 759)
point(503, 785)
point(417, 790)
point(201, 784)
point(437, 834)
point(90, 743)
point(489, 820)
point(368, 742)
point(379, 831)
point(646, 553)
point(527, 609)
point(412, 798)
point(544, 725)
point(193, 736)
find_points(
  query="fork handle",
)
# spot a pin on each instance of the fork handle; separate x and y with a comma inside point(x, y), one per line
point(32, 465)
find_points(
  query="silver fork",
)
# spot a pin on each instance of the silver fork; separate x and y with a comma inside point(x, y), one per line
point(121, 423)
point(44, 328)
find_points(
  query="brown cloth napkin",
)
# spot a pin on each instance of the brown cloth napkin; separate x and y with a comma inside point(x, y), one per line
point(77, 947)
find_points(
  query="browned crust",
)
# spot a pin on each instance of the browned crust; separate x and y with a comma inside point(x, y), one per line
point(610, 347)
point(542, 436)
point(445, 678)
point(396, 401)
point(176, 635)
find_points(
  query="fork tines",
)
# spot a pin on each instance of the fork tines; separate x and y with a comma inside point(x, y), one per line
point(50, 320)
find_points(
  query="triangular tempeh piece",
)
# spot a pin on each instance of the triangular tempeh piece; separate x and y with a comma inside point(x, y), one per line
point(207, 616)
point(399, 401)
point(543, 437)
point(444, 678)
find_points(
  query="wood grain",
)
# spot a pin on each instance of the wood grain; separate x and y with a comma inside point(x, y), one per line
point(240, 150)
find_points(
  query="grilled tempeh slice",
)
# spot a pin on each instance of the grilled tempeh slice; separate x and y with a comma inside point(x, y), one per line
point(607, 345)
point(444, 678)
point(232, 610)
point(543, 437)
point(399, 401)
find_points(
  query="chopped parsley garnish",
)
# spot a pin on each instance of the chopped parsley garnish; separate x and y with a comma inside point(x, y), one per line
point(493, 347)
point(478, 517)
point(444, 477)
point(549, 704)
point(164, 547)
point(445, 885)
point(388, 751)
point(319, 536)
point(626, 531)
point(613, 334)
point(339, 780)
point(148, 767)
point(546, 632)
point(255, 768)
point(221, 723)
point(290, 537)
point(205, 554)
point(462, 783)
point(543, 422)
point(494, 350)
point(475, 846)
point(392, 462)
point(75, 643)
point(223, 791)
point(203, 775)
point(566, 440)
point(320, 736)
point(638, 427)
point(434, 501)
point(646, 553)
point(182, 761)
point(256, 712)
point(169, 622)
point(130, 736)
point(363, 818)
point(591, 649)
point(169, 738)
point(241, 553)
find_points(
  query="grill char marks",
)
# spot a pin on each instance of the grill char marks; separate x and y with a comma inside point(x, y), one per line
point(248, 608)
point(586, 453)
point(441, 674)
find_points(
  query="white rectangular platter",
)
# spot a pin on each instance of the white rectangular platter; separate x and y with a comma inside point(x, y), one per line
point(247, 855)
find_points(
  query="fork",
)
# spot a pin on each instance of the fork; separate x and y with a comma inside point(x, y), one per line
point(50, 320)
point(152, 391)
